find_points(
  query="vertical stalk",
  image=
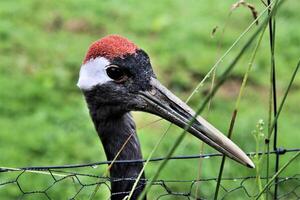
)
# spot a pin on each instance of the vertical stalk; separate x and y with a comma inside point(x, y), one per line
point(235, 111)
point(277, 174)
point(201, 107)
point(272, 125)
point(239, 97)
point(274, 95)
point(219, 46)
point(224, 157)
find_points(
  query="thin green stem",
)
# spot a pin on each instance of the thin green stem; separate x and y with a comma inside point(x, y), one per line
point(277, 174)
point(273, 92)
point(234, 114)
point(147, 161)
point(196, 89)
point(235, 111)
point(220, 60)
point(209, 103)
point(283, 100)
point(270, 130)
point(59, 174)
point(222, 79)
point(227, 52)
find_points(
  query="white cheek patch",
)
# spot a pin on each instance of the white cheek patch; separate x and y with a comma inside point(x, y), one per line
point(93, 73)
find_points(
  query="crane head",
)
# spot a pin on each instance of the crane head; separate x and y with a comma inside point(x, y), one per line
point(118, 75)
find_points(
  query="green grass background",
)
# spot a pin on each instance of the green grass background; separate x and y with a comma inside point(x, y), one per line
point(43, 116)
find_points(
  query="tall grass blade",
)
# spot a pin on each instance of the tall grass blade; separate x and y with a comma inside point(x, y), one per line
point(277, 174)
point(222, 79)
point(235, 111)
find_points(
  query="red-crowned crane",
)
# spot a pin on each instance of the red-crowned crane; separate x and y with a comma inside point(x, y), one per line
point(116, 77)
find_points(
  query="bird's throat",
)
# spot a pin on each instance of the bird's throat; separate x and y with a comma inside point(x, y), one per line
point(120, 142)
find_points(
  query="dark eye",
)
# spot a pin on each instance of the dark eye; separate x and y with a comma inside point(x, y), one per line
point(116, 73)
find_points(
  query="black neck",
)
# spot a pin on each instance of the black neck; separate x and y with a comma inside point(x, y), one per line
point(118, 136)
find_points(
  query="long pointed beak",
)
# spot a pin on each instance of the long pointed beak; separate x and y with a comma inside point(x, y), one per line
point(160, 101)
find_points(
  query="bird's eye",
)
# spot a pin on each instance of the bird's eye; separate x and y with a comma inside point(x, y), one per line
point(116, 73)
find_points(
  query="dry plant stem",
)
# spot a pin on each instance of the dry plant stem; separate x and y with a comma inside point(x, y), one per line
point(197, 88)
point(247, 5)
point(201, 83)
point(194, 91)
point(235, 111)
point(209, 103)
point(115, 158)
point(150, 123)
point(214, 76)
point(188, 99)
point(203, 105)
point(214, 71)
point(34, 171)
point(110, 165)
point(220, 60)
point(150, 156)
point(227, 52)
point(271, 127)
point(147, 161)
point(277, 174)
point(197, 192)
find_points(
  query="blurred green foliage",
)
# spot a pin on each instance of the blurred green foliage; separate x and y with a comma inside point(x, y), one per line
point(43, 117)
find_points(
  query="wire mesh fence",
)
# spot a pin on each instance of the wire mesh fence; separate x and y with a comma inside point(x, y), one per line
point(71, 183)
point(78, 182)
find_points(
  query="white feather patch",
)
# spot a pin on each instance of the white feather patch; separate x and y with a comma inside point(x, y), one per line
point(93, 73)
